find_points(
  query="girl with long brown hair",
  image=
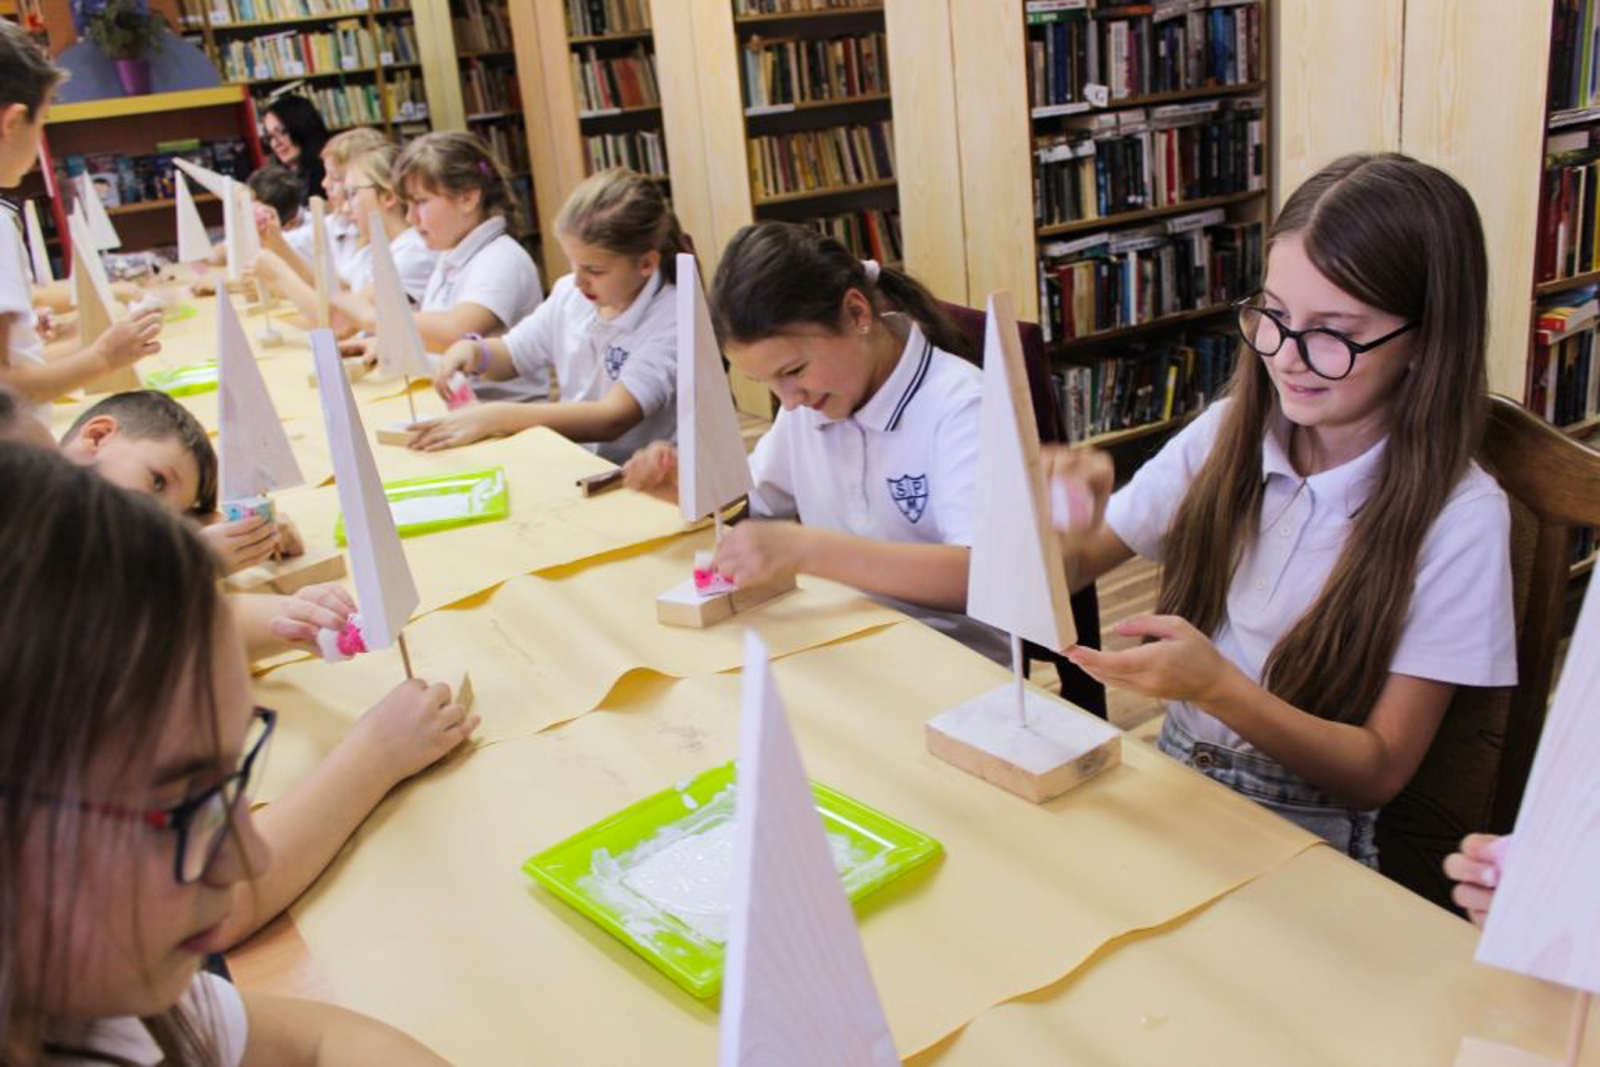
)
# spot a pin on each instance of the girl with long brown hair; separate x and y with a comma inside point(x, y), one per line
point(128, 748)
point(1334, 561)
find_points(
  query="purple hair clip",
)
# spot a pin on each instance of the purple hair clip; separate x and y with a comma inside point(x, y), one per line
point(483, 168)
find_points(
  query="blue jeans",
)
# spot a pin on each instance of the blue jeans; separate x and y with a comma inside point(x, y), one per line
point(1275, 788)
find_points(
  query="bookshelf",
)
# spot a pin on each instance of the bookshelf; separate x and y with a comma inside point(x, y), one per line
point(492, 98)
point(361, 62)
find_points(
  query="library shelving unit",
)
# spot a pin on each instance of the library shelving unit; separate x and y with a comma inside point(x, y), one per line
point(491, 97)
point(1152, 186)
point(612, 55)
point(818, 116)
point(359, 61)
point(127, 143)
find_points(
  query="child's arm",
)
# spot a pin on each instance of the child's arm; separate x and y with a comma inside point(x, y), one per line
point(350, 313)
point(410, 729)
point(441, 329)
point(1365, 765)
point(578, 420)
point(489, 358)
point(127, 341)
point(306, 1033)
point(760, 551)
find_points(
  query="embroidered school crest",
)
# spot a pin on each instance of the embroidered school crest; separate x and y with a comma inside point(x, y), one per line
point(615, 358)
point(910, 495)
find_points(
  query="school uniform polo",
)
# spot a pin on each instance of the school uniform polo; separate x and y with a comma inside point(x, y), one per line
point(16, 294)
point(1460, 625)
point(489, 268)
point(210, 1004)
point(344, 240)
point(590, 355)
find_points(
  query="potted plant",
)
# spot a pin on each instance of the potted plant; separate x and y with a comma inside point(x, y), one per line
point(127, 32)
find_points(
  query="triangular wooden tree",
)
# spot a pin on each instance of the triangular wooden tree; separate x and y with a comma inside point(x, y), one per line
point(1016, 581)
point(211, 181)
point(400, 348)
point(194, 246)
point(797, 988)
point(255, 456)
point(239, 220)
point(97, 308)
point(713, 470)
point(322, 268)
point(385, 590)
point(1545, 921)
point(100, 229)
point(38, 253)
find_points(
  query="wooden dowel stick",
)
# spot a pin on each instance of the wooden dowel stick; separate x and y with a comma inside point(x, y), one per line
point(1021, 679)
point(405, 656)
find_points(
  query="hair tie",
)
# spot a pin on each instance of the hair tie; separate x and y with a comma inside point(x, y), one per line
point(870, 267)
point(483, 168)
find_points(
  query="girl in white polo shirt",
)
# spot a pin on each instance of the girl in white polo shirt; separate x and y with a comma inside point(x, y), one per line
point(1335, 563)
point(609, 330)
point(876, 448)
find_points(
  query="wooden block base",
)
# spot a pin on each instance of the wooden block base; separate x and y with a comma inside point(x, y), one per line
point(1058, 748)
point(463, 692)
point(291, 574)
point(682, 605)
point(1478, 1053)
point(354, 369)
point(394, 433)
point(269, 338)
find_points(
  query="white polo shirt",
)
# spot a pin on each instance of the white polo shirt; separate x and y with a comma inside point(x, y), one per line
point(1460, 628)
point(637, 349)
point(16, 294)
point(489, 268)
point(413, 259)
point(902, 468)
point(211, 1004)
point(343, 238)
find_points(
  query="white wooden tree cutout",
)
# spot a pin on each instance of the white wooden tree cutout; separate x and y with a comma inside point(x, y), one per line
point(211, 181)
point(1018, 737)
point(97, 308)
point(400, 348)
point(713, 471)
point(101, 231)
point(38, 253)
point(194, 246)
point(797, 989)
point(385, 591)
point(322, 262)
point(1545, 921)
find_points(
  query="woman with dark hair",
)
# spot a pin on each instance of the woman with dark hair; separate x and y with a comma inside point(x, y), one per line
point(295, 133)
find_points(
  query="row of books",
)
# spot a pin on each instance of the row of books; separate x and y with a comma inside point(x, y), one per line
point(812, 160)
point(126, 179)
point(481, 26)
point(1574, 55)
point(795, 7)
point(610, 83)
point(522, 193)
point(1568, 220)
point(1149, 385)
point(193, 13)
point(1111, 281)
point(1563, 378)
point(488, 88)
point(509, 143)
point(407, 96)
point(596, 18)
point(1077, 59)
point(1132, 160)
point(346, 46)
point(792, 71)
point(870, 234)
point(642, 150)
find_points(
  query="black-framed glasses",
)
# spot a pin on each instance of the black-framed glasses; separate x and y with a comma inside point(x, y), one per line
point(202, 821)
point(1329, 353)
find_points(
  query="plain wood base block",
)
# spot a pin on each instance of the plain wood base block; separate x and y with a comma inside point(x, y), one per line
point(463, 693)
point(683, 605)
point(1059, 747)
point(291, 574)
point(394, 433)
point(354, 369)
point(1478, 1053)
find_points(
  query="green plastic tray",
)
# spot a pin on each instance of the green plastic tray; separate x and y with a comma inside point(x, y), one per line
point(443, 502)
point(185, 381)
point(179, 313)
point(590, 869)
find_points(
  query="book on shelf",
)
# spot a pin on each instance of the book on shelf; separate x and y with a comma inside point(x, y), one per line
point(482, 27)
point(1568, 221)
point(1079, 56)
point(817, 160)
point(397, 43)
point(228, 12)
point(1563, 379)
point(407, 96)
point(1116, 280)
point(1574, 56)
point(1148, 385)
point(347, 105)
point(644, 151)
point(509, 143)
point(873, 234)
point(609, 83)
point(291, 54)
point(805, 69)
point(488, 88)
point(123, 179)
point(1140, 158)
point(798, 7)
point(597, 18)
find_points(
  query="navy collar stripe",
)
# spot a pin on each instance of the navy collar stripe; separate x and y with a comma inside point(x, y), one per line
point(916, 384)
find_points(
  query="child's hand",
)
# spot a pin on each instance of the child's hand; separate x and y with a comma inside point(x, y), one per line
point(325, 606)
point(203, 285)
point(1181, 664)
point(269, 266)
point(458, 357)
point(130, 339)
point(654, 470)
point(361, 345)
point(756, 552)
point(411, 728)
point(290, 543)
point(460, 427)
point(1079, 481)
point(1477, 870)
point(268, 225)
point(244, 543)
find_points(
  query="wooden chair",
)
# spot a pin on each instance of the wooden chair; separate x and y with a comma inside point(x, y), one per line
point(1076, 686)
point(1473, 777)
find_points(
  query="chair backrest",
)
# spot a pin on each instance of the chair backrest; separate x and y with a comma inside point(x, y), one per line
point(1041, 386)
point(1474, 774)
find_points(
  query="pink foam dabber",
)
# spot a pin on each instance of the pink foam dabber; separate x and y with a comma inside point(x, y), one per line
point(707, 580)
point(460, 391)
point(345, 643)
